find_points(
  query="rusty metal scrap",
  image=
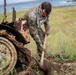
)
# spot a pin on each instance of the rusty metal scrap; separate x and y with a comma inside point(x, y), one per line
point(18, 44)
point(19, 26)
point(5, 11)
point(13, 15)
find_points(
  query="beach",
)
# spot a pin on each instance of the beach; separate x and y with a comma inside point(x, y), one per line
point(26, 5)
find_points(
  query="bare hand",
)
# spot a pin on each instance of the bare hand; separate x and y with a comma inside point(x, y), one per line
point(42, 48)
point(47, 32)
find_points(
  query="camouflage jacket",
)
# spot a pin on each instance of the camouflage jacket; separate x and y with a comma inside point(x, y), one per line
point(34, 20)
point(37, 19)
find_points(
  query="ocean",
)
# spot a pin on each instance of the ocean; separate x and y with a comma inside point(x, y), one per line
point(26, 5)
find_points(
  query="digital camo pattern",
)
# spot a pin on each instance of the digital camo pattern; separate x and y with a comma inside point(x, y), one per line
point(35, 20)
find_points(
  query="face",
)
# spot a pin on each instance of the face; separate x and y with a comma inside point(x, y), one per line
point(44, 13)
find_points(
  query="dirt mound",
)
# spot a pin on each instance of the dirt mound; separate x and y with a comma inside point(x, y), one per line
point(60, 68)
point(51, 67)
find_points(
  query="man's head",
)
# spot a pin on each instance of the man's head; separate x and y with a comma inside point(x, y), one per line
point(46, 8)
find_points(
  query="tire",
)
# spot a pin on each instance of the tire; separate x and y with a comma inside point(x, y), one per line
point(8, 56)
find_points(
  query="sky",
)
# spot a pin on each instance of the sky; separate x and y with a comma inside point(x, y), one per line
point(13, 1)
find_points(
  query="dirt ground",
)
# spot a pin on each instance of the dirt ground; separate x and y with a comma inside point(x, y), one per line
point(51, 67)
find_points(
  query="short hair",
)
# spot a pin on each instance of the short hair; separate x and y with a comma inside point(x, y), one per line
point(47, 6)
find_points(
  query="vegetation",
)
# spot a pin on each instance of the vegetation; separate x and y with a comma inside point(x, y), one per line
point(62, 39)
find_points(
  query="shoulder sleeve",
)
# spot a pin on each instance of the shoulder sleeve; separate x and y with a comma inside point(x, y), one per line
point(46, 24)
point(32, 18)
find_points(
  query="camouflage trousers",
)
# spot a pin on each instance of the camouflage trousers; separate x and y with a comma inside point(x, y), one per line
point(38, 35)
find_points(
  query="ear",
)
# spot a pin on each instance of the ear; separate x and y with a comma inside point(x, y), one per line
point(23, 22)
point(40, 8)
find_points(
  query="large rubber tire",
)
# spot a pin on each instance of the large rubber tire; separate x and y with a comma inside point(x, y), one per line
point(8, 56)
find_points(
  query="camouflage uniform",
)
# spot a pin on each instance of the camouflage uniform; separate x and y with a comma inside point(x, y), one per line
point(34, 21)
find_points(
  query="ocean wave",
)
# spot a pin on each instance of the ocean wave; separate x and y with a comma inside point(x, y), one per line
point(64, 2)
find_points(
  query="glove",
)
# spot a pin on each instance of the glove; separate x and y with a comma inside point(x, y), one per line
point(42, 48)
point(47, 32)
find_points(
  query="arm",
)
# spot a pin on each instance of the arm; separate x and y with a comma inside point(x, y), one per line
point(33, 28)
point(47, 26)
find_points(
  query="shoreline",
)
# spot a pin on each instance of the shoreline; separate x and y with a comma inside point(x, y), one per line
point(28, 8)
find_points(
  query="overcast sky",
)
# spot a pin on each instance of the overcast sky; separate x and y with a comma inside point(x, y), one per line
point(13, 1)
